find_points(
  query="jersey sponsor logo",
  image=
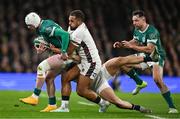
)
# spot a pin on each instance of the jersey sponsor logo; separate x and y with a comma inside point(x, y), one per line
point(48, 30)
point(143, 39)
point(136, 38)
point(52, 31)
point(152, 36)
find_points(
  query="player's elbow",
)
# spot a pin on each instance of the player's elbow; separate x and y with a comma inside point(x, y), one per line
point(63, 34)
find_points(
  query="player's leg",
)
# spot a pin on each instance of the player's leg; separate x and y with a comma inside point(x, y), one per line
point(109, 95)
point(51, 75)
point(101, 86)
point(158, 78)
point(133, 75)
point(67, 77)
point(122, 62)
point(84, 90)
point(52, 62)
point(88, 74)
point(153, 57)
point(50, 85)
point(114, 64)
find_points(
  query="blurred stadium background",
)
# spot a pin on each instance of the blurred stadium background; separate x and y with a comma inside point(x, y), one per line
point(107, 20)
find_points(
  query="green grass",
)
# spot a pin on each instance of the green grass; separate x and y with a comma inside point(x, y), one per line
point(8, 100)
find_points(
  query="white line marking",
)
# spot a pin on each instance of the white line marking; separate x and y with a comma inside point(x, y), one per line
point(85, 103)
point(154, 117)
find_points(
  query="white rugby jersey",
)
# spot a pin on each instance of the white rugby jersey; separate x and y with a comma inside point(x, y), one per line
point(82, 38)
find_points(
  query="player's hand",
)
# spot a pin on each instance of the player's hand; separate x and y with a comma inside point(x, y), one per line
point(64, 56)
point(41, 48)
point(51, 46)
point(117, 44)
point(126, 44)
point(54, 49)
point(76, 58)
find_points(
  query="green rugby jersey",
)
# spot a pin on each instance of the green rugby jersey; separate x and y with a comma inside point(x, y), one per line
point(54, 34)
point(150, 35)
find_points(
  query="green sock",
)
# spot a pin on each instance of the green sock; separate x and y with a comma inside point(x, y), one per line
point(52, 100)
point(167, 97)
point(37, 91)
point(132, 73)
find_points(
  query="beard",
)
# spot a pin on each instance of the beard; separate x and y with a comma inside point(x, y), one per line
point(73, 28)
point(137, 27)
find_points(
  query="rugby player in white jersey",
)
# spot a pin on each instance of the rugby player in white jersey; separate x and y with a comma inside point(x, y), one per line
point(90, 60)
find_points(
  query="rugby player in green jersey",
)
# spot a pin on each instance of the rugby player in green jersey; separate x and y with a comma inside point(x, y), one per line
point(53, 34)
point(146, 40)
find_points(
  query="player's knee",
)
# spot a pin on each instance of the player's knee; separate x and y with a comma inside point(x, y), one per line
point(50, 77)
point(49, 82)
point(123, 68)
point(81, 91)
point(66, 79)
point(65, 82)
point(42, 68)
point(121, 61)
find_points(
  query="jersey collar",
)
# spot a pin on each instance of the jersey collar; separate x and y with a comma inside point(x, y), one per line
point(144, 29)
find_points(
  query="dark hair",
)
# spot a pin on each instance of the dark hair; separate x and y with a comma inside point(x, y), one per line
point(140, 13)
point(78, 14)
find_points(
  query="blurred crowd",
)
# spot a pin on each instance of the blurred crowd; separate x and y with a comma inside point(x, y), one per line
point(107, 20)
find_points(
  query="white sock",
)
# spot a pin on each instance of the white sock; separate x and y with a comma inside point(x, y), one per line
point(101, 102)
point(64, 103)
point(35, 96)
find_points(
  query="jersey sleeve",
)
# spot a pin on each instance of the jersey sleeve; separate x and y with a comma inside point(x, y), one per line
point(76, 39)
point(153, 37)
point(64, 37)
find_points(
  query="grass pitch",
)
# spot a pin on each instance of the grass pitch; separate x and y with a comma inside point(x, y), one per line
point(10, 107)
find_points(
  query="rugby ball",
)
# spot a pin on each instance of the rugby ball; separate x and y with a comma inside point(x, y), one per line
point(39, 40)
